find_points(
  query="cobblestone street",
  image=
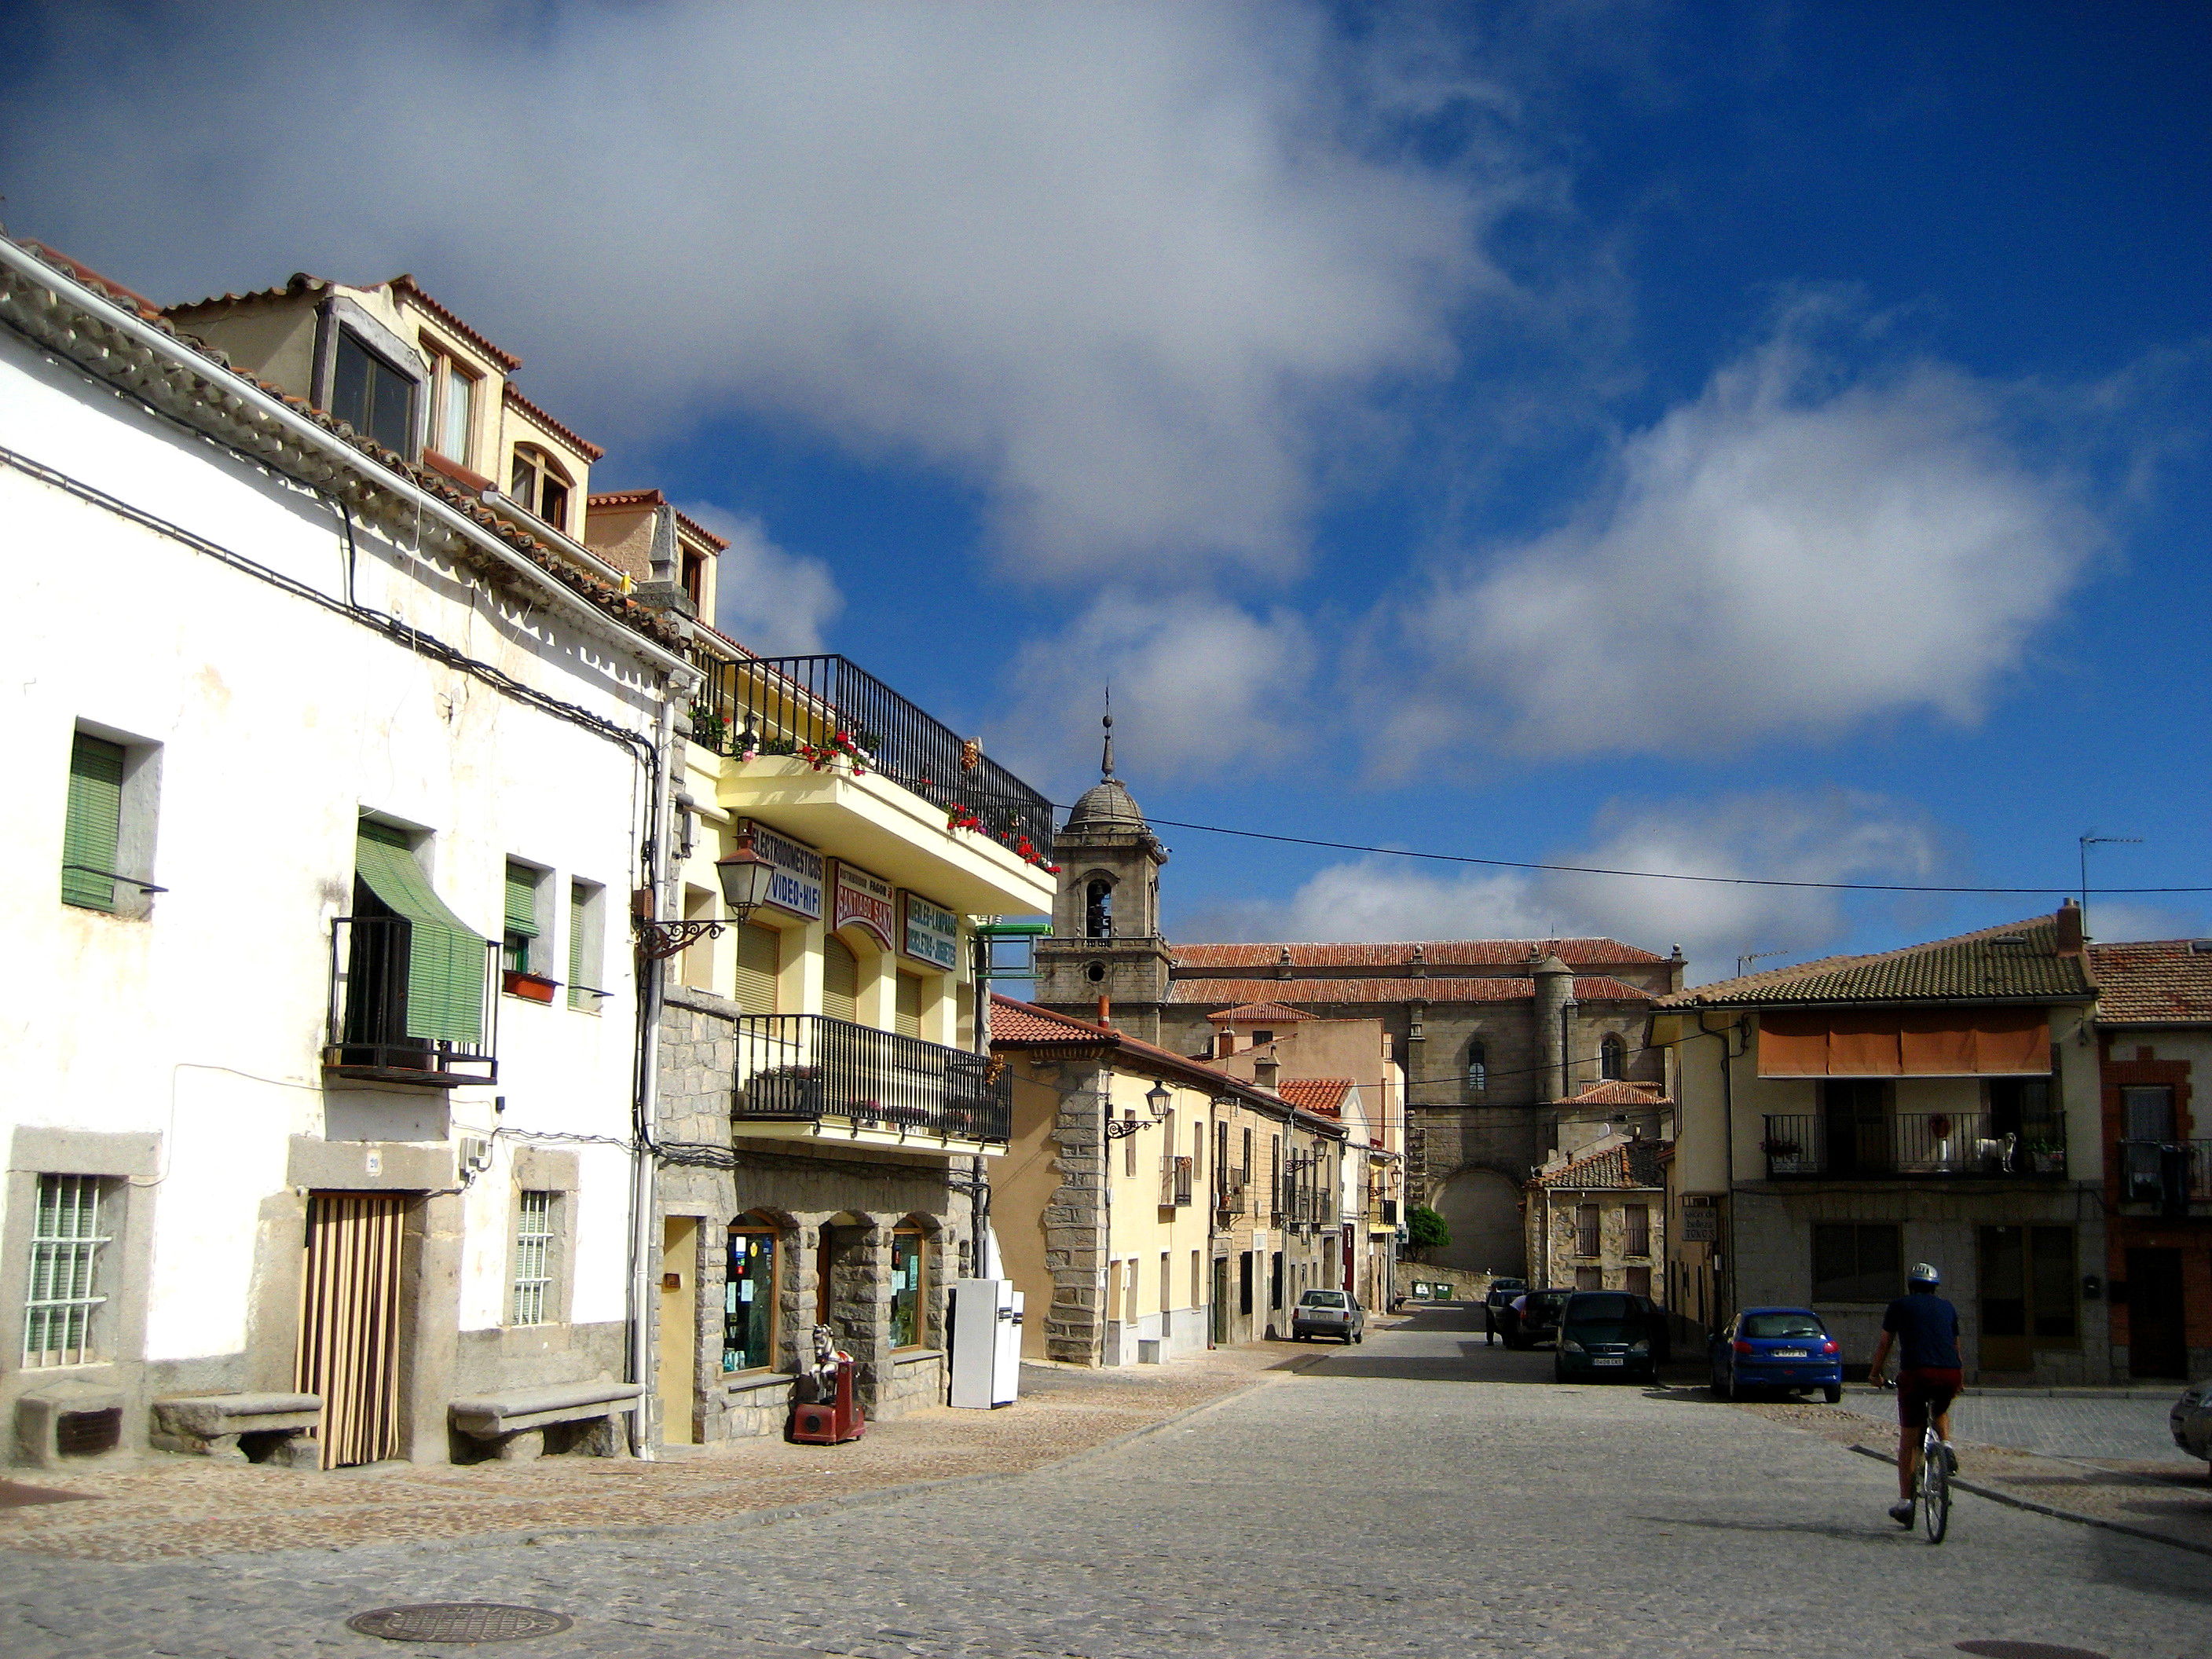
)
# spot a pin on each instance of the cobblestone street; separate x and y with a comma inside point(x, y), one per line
point(1417, 1495)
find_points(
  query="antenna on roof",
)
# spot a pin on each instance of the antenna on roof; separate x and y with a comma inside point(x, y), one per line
point(2093, 839)
point(1106, 760)
point(1743, 963)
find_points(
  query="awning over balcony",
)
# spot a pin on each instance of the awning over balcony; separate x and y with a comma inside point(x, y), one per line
point(1904, 1042)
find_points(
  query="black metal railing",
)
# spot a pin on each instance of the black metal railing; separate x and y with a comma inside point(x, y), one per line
point(805, 1068)
point(1175, 1183)
point(2172, 1173)
point(825, 710)
point(1912, 1145)
point(372, 980)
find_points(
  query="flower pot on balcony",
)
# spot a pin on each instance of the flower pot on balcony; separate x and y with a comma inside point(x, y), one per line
point(2048, 1162)
point(530, 988)
point(785, 1091)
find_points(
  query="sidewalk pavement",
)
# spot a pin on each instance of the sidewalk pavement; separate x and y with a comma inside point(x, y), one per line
point(188, 1506)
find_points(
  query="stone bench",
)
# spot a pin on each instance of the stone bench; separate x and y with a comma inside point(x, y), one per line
point(514, 1423)
point(259, 1428)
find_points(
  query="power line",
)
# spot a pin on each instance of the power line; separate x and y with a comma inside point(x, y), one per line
point(1655, 875)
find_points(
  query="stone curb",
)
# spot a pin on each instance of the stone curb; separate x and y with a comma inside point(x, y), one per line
point(1997, 1497)
point(1981, 1392)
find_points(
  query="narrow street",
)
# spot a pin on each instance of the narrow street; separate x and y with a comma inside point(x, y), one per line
point(1449, 1500)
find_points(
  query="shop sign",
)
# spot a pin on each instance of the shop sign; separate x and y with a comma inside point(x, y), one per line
point(868, 902)
point(1701, 1226)
point(796, 886)
point(933, 933)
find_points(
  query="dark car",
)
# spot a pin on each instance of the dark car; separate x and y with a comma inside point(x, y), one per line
point(1776, 1348)
point(1531, 1317)
point(1501, 1293)
point(1604, 1334)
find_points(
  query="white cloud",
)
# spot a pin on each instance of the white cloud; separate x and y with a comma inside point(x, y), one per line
point(1794, 552)
point(1831, 836)
point(1106, 261)
point(775, 602)
point(2112, 921)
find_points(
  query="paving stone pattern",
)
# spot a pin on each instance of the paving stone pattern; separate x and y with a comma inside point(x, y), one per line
point(2134, 1428)
point(1419, 1495)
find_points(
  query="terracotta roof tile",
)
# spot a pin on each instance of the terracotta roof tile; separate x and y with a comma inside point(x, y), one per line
point(1354, 992)
point(2153, 982)
point(2019, 960)
point(1630, 1167)
point(1451, 953)
point(621, 498)
point(1618, 1094)
point(1249, 1012)
point(1324, 1094)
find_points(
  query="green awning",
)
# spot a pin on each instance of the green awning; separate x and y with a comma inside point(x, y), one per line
point(445, 962)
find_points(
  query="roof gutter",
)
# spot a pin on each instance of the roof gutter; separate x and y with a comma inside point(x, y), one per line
point(267, 411)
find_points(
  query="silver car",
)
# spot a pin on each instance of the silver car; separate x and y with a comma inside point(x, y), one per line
point(2191, 1419)
point(1328, 1313)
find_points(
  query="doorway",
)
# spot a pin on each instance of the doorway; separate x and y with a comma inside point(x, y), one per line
point(679, 1327)
point(1855, 1119)
point(1218, 1324)
point(349, 1317)
point(2157, 1336)
point(2027, 1295)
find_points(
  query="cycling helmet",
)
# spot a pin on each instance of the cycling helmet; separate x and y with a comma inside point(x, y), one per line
point(1923, 1273)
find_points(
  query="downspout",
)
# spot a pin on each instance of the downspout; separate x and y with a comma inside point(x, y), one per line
point(646, 1109)
point(1728, 1145)
point(1109, 1303)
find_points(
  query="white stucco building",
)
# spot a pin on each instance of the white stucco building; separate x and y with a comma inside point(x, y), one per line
point(332, 775)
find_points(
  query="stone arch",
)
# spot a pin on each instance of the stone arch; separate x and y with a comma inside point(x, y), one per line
point(1482, 1209)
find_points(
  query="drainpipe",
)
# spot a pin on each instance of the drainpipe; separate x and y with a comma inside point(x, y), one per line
point(643, 1257)
point(1728, 1145)
point(1109, 1303)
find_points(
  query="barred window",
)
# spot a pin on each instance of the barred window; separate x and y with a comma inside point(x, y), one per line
point(69, 1234)
point(533, 1259)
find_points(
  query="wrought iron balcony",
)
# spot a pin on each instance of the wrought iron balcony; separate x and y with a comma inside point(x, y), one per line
point(383, 989)
point(1911, 1145)
point(812, 1069)
point(2173, 1174)
point(1175, 1183)
point(825, 710)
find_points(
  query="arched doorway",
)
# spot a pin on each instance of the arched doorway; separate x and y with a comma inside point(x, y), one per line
point(1482, 1209)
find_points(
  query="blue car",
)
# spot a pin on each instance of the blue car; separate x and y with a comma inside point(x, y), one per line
point(1776, 1348)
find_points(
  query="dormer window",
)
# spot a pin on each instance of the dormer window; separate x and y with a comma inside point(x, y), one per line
point(540, 485)
point(452, 405)
point(371, 396)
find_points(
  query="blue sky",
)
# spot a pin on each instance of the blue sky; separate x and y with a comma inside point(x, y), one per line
point(1755, 440)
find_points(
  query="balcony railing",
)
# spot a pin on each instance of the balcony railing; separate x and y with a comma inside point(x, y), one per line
point(375, 976)
point(1911, 1145)
point(1175, 1183)
point(2172, 1173)
point(809, 1068)
point(824, 709)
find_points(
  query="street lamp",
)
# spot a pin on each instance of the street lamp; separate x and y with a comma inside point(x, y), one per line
point(1156, 1100)
point(744, 876)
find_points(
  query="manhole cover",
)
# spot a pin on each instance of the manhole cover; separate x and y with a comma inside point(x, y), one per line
point(2026, 1651)
point(459, 1621)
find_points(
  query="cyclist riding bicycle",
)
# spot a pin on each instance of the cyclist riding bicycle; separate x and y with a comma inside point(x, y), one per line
point(1925, 1329)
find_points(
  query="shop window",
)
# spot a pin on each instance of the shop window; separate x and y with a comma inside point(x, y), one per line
point(908, 1326)
point(750, 1298)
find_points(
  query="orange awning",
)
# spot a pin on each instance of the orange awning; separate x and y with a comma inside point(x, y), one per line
point(1904, 1042)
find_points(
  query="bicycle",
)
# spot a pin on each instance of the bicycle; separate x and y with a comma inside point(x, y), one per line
point(1931, 1482)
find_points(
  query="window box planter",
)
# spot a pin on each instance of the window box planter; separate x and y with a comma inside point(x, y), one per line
point(530, 988)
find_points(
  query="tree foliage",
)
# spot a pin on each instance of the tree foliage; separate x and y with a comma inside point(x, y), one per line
point(1425, 1230)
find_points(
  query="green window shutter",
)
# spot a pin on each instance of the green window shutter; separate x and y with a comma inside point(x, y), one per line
point(521, 899)
point(445, 962)
point(94, 823)
point(579, 909)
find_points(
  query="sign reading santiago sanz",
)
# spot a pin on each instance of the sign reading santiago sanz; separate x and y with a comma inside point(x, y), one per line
point(933, 933)
point(868, 900)
point(796, 886)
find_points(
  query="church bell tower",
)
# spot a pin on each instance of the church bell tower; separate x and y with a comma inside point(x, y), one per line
point(1106, 921)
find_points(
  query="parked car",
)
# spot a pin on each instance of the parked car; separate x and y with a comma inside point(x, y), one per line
point(1531, 1317)
point(1776, 1348)
point(1501, 1293)
point(1608, 1334)
point(1328, 1313)
point(2192, 1419)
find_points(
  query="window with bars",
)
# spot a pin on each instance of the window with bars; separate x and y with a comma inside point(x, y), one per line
point(1636, 1230)
point(69, 1237)
point(1586, 1229)
point(535, 1236)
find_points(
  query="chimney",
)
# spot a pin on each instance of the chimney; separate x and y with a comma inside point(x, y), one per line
point(1265, 1071)
point(1225, 1043)
point(1105, 1008)
point(2070, 929)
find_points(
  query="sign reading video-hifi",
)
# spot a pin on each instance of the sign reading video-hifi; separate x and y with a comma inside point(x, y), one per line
point(933, 933)
point(796, 886)
point(868, 902)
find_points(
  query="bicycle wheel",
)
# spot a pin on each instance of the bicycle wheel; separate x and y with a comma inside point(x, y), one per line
point(1934, 1489)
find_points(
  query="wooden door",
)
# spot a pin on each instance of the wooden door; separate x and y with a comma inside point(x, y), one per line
point(2006, 1345)
point(679, 1327)
point(349, 1315)
point(2157, 1339)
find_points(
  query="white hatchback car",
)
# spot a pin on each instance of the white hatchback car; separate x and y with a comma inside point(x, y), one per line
point(1328, 1313)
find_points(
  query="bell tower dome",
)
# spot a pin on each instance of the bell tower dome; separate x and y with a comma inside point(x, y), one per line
point(1106, 919)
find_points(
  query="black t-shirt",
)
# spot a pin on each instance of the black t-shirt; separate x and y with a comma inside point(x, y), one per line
point(1927, 1331)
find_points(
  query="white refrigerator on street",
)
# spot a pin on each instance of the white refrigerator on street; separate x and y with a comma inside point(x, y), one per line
point(987, 1343)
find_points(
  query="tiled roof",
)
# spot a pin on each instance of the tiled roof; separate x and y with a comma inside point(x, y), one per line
point(1324, 1094)
point(299, 281)
point(1499, 988)
point(652, 625)
point(2018, 961)
point(506, 359)
point(591, 450)
point(1025, 1021)
point(1631, 1167)
point(1618, 1094)
point(621, 498)
point(1251, 1012)
point(2153, 982)
point(1451, 953)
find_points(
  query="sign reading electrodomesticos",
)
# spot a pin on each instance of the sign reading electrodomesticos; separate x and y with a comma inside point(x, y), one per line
point(796, 886)
point(868, 902)
point(933, 933)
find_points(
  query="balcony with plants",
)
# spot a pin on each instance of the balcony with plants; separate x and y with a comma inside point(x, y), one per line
point(1912, 1147)
point(812, 1076)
